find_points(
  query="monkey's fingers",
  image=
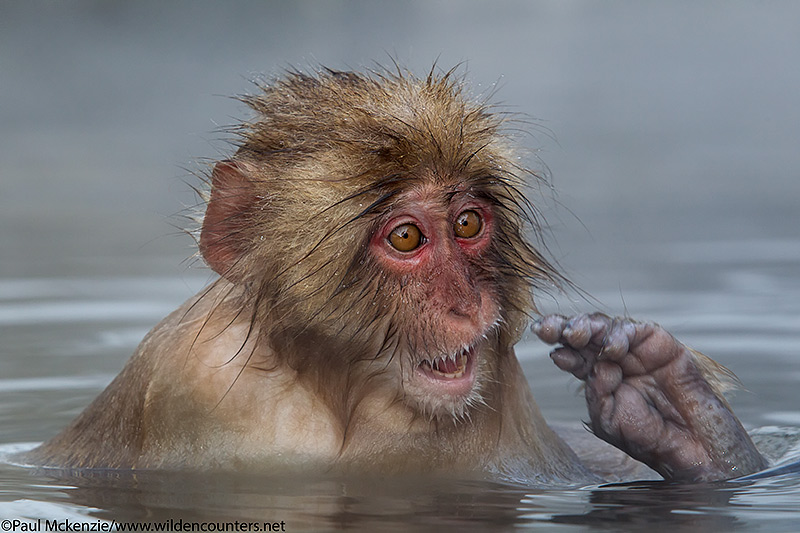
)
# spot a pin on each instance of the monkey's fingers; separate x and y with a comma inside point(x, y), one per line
point(617, 342)
point(579, 332)
point(549, 328)
point(572, 361)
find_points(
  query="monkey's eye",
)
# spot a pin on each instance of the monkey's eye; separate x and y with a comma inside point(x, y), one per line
point(468, 224)
point(405, 237)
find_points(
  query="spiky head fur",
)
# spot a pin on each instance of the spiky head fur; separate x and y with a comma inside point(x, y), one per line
point(323, 159)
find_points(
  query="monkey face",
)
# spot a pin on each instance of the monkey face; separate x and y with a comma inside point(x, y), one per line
point(433, 245)
point(375, 227)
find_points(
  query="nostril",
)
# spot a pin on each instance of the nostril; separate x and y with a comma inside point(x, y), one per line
point(462, 302)
point(460, 312)
point(465, 309)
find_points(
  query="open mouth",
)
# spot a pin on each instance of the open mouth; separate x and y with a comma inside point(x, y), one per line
point(450, 374)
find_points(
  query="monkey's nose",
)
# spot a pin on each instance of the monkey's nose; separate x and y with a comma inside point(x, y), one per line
point(462, 312)
point(466, 308)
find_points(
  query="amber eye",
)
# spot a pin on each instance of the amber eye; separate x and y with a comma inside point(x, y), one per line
point(468, 224)
point(406, 237)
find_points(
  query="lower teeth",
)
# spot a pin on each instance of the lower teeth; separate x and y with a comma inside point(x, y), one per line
point(462, 363)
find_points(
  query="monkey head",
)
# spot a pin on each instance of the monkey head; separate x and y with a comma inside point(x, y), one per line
point(374, 225)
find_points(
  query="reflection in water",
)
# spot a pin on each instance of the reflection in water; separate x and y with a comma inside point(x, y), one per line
point(634, 506)
point(54, 371)
point(313, 503)
point(677, 125)
point(305, 502)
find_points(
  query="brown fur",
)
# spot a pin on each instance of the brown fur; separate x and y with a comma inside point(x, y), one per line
point(325, 157)
point(295, 356)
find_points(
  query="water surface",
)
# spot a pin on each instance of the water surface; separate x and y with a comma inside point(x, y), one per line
point(65, 339)
point(670, 131)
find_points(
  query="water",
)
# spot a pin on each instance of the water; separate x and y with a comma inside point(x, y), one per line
point(670, 130)
point(65, 339)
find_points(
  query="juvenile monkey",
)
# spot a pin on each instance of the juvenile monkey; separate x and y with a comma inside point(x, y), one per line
point(369, 234)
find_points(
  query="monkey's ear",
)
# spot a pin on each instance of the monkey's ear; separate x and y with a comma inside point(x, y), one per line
point(223, 238)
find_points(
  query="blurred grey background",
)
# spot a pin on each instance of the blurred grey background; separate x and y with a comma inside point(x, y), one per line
point(659, 121)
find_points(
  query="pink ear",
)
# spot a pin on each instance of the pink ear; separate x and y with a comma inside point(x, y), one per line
point(223, 237)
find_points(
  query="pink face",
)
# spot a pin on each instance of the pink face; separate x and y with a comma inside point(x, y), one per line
point(435, 245)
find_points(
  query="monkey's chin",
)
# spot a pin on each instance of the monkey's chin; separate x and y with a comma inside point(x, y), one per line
point(446, 385)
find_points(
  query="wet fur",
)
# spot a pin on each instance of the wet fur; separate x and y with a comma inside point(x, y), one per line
point(288, 226)
point(326, 174)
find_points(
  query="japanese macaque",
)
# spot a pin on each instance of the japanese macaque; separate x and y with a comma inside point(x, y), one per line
point(370, 237)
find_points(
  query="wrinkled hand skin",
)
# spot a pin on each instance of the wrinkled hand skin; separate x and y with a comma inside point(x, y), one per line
point(647, 395)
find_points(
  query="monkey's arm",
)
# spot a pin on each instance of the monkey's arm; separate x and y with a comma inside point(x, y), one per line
point(652, 397)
